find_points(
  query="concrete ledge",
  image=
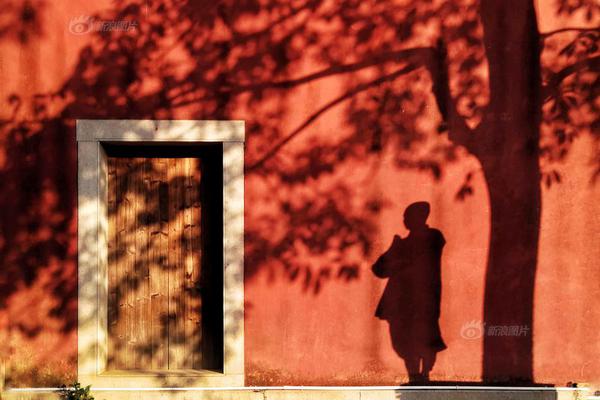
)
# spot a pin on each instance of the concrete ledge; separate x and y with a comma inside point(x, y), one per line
point(310, 393)
point(159, 130)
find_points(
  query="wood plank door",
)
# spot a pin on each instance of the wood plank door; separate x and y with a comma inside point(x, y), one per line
point(154, 304)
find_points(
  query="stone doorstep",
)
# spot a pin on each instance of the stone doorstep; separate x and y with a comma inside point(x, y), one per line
point(316, 393)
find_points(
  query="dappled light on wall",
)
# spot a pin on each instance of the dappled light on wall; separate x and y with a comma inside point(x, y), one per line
point(353, 111)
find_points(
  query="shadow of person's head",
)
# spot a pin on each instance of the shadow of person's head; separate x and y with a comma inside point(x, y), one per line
point(416, 215)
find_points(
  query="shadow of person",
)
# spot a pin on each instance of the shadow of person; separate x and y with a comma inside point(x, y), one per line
point(411, 299)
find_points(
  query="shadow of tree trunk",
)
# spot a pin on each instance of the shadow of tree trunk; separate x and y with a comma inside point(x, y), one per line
point(510, 162)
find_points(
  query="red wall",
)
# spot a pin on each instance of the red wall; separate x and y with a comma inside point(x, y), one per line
point(320, 209)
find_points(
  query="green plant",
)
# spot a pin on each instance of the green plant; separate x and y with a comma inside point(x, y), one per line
point(75, 392)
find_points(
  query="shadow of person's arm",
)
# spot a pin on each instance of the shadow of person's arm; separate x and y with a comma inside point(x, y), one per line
point(383, 267)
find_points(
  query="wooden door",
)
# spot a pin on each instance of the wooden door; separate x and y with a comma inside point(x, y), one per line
point(154, 304)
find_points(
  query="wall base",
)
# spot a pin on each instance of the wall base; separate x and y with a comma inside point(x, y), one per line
point(312, 393)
